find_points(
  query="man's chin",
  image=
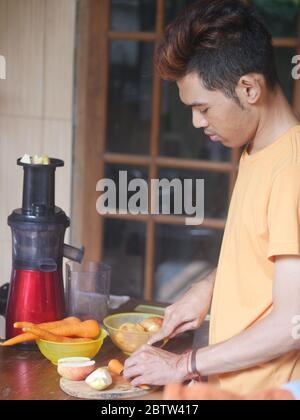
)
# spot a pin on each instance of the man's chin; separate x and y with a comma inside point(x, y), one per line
point(227, 143)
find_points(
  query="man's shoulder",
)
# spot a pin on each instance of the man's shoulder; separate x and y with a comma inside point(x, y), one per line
point(287, 157)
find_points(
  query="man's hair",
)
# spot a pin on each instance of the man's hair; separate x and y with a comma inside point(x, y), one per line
point(221, 41)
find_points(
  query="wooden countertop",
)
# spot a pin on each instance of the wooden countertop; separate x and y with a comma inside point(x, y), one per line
point(27, 375)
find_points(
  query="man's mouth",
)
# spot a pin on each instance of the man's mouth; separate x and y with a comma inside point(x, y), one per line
point(213, 137)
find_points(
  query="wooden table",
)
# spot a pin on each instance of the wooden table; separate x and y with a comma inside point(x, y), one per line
point(27, 375)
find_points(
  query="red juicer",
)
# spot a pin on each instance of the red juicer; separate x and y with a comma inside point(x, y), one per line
point(36, 292)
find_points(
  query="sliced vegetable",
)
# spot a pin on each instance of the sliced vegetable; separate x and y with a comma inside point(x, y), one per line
point(46, 160)
point(76, 371)
point(37, 160)
point(73, 360)
point(26, 159)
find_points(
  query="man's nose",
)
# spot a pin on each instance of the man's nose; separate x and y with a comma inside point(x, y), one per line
point(199, 121)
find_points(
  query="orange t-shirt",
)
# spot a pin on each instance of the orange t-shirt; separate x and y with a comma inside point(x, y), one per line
point(263, 222)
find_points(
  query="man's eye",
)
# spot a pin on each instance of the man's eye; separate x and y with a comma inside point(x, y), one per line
point(205, 111)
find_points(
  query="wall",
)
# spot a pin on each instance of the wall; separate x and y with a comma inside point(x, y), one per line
point(37, 39)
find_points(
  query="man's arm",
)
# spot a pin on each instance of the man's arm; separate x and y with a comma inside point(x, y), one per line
point(270, 338)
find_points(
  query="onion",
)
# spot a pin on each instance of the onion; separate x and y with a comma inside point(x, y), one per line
point(76, 370)
point(100, 379)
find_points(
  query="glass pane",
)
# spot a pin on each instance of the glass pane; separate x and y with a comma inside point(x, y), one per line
point(124, 250)
point(174, 7)
point(284, 66)
point(280, 16)
point(216, 190)
point(183, 255)
point(130, 97)
point(178, 137)
point(133, 15)
point(115, 173)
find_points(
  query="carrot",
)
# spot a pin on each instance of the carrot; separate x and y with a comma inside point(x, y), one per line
point(115, 366)
point(19, 339)
point(49, 336)
point(48, 325)
point(86, 329)
point(27, 337)
point(68, 327)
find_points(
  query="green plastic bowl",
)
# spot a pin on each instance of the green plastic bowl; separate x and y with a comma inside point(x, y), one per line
point(55, 351)
point(128, 342)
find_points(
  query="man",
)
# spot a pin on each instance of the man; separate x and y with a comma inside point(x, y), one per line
point(221, 56)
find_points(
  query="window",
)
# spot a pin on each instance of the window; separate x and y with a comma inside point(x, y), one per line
point(128, 119)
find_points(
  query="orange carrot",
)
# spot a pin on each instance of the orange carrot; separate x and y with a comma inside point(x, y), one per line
point(86, 329)
point(68, 327)
point(27, 336)
point(19, 339)
point(48, 325)
point(49, 336)
point(115, 366)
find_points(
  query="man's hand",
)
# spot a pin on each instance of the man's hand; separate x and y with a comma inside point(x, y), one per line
point(153, 366)
point(189, 312)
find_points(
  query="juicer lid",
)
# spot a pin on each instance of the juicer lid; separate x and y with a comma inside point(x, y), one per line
point(58, 217)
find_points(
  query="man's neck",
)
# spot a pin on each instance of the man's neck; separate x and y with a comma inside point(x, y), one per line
point(276, 120)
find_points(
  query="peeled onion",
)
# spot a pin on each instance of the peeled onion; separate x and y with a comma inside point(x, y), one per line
point(100, 379)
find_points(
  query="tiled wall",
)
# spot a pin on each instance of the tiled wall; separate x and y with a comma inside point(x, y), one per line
point(37, 39)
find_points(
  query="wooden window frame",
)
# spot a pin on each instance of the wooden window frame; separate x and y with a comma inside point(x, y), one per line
point(90, 155)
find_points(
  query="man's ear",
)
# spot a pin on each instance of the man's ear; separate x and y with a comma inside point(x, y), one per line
point(250, 88)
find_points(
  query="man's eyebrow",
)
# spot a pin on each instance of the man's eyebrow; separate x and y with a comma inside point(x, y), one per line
point(196, 104)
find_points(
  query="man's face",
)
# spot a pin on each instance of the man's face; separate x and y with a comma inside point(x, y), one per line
point(222, 119)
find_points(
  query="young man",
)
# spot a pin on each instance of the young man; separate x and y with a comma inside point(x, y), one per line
point(221, 56)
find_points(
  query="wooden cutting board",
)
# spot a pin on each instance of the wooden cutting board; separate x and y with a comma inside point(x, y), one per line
point(119, 389)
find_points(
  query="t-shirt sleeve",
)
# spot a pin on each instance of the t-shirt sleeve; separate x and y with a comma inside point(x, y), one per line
point(294, 388)
point(284, 213)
